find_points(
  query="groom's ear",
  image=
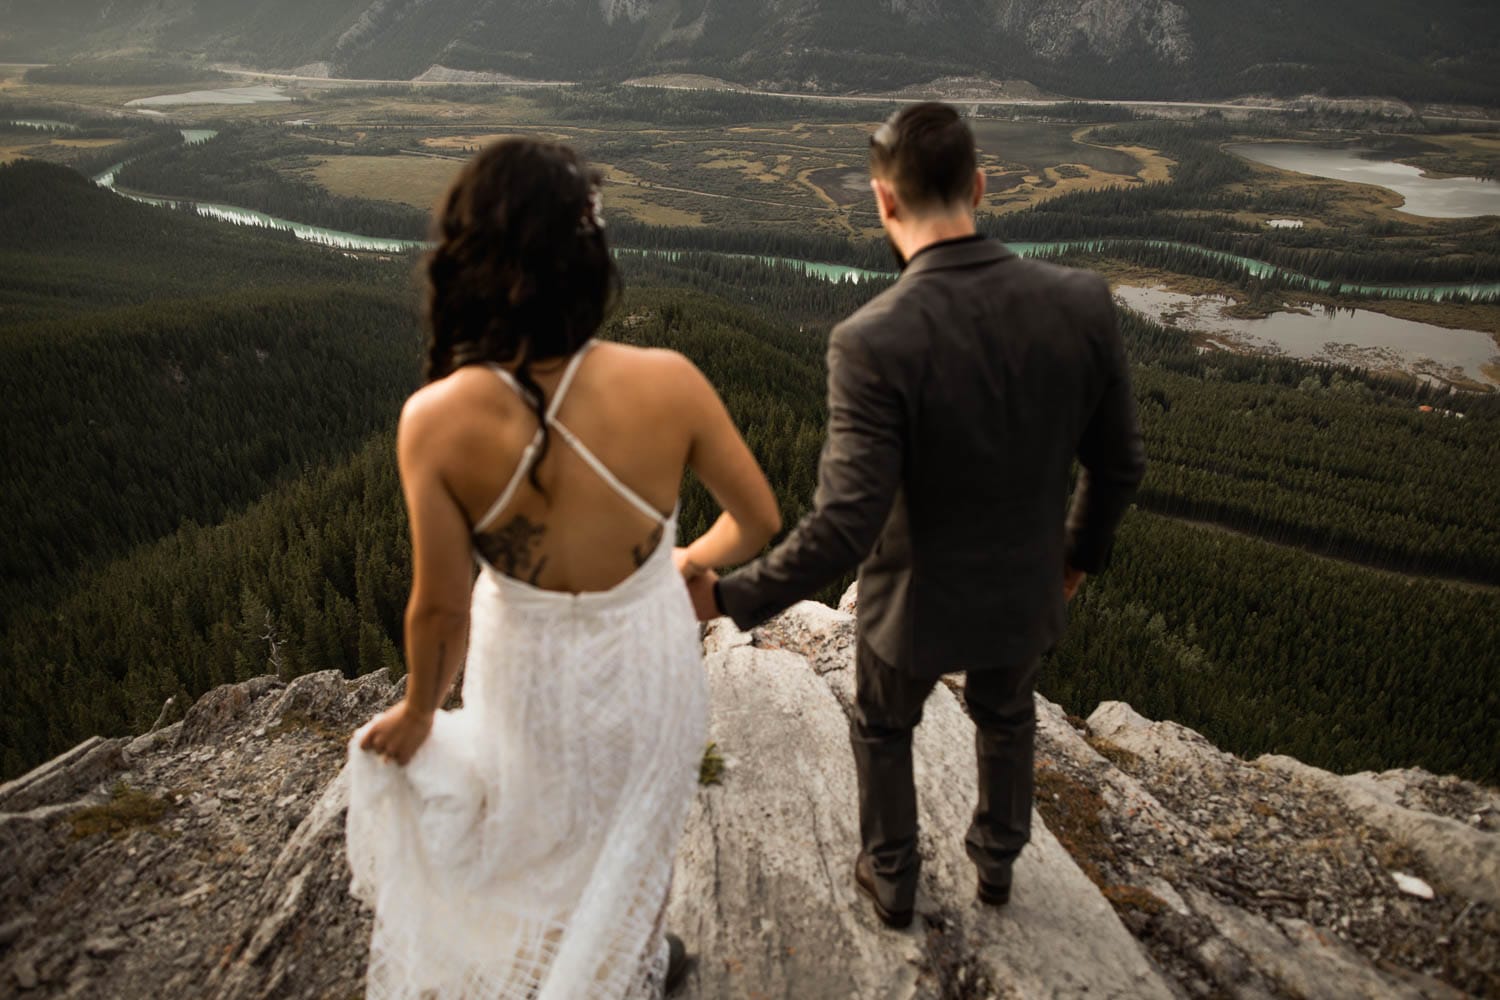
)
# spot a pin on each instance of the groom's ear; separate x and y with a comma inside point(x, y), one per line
point(885, 198)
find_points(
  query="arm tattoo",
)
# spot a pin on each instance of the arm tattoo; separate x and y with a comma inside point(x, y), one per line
point(640, 553)
point(510, 549)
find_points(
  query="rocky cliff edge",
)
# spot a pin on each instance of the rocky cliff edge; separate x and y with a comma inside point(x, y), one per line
point(205, 858)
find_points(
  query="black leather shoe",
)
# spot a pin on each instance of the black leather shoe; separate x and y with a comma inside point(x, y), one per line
point(677, 963)
point(864, 879)
point(993, 895)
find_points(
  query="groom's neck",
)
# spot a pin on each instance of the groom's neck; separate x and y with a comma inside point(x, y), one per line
point(922, 233)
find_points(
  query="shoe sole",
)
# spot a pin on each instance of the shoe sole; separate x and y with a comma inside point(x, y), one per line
point(896, 919)
point(993, 897)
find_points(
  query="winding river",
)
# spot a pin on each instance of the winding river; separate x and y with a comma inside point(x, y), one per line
point(1354, 337)
point(830, 272)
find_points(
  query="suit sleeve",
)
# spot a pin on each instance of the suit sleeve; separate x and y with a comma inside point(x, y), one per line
point(859, 474)
point(1110, 453)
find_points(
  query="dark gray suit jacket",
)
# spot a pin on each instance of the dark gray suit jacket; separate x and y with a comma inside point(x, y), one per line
point(957, 401)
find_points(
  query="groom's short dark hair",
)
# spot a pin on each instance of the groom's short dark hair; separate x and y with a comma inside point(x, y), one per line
point(926, 152)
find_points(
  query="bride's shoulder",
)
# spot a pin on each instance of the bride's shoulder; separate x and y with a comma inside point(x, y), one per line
point(649, 365)
point(450, 392)
point(457, 406)
point(655, 381)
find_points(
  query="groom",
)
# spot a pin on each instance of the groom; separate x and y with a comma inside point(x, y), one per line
point(957, 402)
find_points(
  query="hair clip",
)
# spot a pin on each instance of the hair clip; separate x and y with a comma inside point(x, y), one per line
point(595, 216)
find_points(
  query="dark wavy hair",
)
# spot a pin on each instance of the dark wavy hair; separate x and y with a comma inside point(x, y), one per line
point(521, 271)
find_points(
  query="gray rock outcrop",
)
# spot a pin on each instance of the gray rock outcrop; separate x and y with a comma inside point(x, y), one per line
point(205, 858)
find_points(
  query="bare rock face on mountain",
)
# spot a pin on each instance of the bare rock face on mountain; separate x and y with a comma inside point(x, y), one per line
point(205, 858)
point(1439, 50)
point(629, 10)
point(1104, 28)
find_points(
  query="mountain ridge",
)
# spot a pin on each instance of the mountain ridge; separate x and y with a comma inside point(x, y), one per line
point(1084, 48)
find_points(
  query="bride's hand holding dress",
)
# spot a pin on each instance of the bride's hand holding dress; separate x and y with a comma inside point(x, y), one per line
point(396, 733)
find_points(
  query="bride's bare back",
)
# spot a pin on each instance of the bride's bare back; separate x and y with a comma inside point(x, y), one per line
point(569, 527)
point(646, 415)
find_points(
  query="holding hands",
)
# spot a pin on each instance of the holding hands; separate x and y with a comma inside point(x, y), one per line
point(750, 515)
point(700, 584)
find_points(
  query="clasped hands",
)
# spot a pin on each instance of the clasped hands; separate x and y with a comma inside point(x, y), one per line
point(700, 582)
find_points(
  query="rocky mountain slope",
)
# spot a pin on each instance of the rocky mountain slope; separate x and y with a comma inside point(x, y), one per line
point(205, 858)
point(1442, 50)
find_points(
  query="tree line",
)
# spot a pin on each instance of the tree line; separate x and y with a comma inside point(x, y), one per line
point(104, 72)
point(1266, 649)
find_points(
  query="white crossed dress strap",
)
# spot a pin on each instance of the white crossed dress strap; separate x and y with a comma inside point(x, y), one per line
point(566, 382)
point(600, 469)
point(508, 494)
point(610, 479)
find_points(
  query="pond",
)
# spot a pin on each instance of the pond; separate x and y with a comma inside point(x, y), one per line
point(1356, 337)
point(1429, 197)
point(263, 94)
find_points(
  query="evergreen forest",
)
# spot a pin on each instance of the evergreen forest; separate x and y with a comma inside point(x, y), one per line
point(201, 488)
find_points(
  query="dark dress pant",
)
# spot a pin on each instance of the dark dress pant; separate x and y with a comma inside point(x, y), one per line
point(888, 707)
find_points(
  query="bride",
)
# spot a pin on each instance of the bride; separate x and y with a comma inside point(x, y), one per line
point(522, 845)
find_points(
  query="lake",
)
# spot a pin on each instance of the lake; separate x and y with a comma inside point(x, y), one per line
point(264, 94)
point(1346, 336)
point(1429, 197)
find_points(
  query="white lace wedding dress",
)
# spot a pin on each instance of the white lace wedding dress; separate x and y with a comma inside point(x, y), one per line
point(526, 850)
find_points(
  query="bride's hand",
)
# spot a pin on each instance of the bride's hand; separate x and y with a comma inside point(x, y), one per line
point(397, 733)
point(689, 569)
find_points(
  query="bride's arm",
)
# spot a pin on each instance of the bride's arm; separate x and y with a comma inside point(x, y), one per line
point(437, 613)
point(724, 463)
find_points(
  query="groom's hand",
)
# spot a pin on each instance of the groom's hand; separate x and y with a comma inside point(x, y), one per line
point(701, 590)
